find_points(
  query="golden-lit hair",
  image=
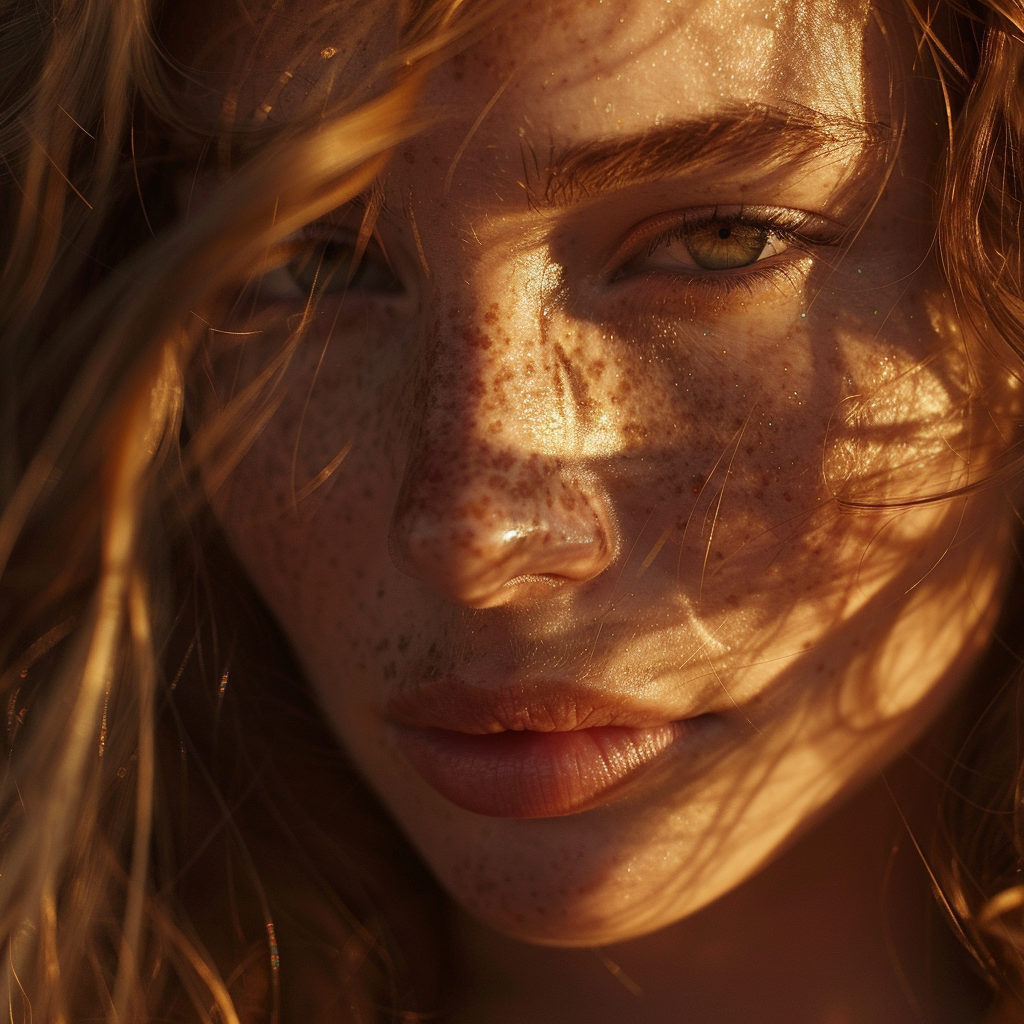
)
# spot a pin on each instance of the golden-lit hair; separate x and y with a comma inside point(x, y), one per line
point(96, 303)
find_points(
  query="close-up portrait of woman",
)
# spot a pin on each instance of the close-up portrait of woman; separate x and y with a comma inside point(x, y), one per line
point(512, 511)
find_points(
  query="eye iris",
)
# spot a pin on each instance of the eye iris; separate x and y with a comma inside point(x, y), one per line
point(324, 266)
point(328, 267)
point(725, 246)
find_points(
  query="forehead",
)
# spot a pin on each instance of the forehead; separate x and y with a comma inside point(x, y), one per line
point(601, 67)
point(562, 69)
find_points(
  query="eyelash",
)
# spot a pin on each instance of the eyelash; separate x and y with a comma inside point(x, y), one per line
point(786, 225)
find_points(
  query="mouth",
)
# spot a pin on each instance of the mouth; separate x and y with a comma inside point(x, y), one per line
point(536, 750)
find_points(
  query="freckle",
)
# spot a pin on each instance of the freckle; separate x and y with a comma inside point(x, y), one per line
point(787, 496)
point(410, 156)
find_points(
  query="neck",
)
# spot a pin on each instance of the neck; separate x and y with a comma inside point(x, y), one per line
point(841, 929)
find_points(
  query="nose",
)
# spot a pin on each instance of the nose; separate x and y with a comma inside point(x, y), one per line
point(493, 508)
point(487, 528)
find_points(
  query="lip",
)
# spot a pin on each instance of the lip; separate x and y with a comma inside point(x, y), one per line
point(531, 750)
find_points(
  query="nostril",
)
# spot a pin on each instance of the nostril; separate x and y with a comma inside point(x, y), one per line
point(549, 580)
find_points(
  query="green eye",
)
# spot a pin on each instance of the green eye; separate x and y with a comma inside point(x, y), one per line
point(725, 245)
point(329, 267)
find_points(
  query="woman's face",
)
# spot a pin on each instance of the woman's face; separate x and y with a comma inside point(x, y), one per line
point(612, 594)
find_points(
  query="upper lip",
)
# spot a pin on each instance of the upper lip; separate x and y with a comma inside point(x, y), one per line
point(539, 705)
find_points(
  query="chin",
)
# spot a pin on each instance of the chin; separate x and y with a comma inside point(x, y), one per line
point(571, 900)
point(570, 926)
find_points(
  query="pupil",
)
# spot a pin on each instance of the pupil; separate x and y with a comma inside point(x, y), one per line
point(724, 233)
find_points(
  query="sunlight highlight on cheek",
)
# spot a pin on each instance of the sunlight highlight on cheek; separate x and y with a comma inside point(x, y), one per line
point(942, 626)
point(907, 429)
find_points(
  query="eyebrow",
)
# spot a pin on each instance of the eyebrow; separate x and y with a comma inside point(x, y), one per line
point(566, 176)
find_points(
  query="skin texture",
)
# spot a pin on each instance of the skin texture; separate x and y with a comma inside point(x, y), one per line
point(574, 460)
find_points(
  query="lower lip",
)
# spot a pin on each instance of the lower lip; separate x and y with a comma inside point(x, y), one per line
point(535, 774)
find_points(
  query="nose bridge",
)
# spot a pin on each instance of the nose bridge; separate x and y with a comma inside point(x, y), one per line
point(497, 376)
point(494, 490)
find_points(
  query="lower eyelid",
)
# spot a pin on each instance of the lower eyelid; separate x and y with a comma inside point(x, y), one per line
point(696, 271)
point(698, 286)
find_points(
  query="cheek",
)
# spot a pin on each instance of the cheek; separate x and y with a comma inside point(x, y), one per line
point(771, 466)
point(303, 509)
point(313, 559)
point(753, 425)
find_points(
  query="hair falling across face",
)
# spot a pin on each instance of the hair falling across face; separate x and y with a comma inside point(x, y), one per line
point(626, 460)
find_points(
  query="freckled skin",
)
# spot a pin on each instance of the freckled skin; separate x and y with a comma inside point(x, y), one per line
point(643, 485)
